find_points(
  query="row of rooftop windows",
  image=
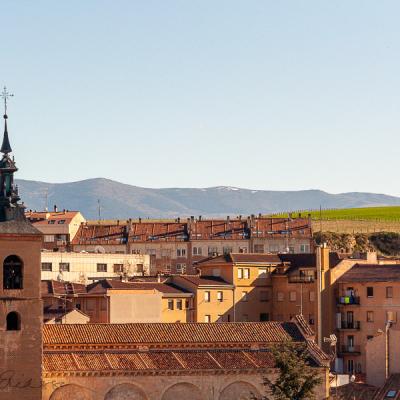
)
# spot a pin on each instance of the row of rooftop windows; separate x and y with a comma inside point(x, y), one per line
point(100, 267)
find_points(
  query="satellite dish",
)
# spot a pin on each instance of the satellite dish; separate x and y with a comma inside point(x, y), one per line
point(99, 249)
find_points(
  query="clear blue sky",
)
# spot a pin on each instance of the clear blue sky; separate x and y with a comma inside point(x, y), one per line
point(258, 94)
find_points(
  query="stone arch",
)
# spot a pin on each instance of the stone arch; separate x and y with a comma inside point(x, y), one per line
point(13, 273)
point(239, 390)
point(183, 390)
point(70, 392)
point(125, 391)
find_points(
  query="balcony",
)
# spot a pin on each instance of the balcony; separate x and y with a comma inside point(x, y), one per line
point(301, 279)
point(348, 301)
point(355, 325)
point(350, 349)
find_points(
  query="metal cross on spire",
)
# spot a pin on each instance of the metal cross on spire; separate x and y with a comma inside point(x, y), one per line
point(5, 95)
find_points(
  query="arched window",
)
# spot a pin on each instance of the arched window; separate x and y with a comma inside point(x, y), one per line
point(12, 273)
point(13, 321)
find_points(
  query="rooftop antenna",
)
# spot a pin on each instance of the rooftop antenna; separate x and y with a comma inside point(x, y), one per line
point(46, 199)
point(99, 208)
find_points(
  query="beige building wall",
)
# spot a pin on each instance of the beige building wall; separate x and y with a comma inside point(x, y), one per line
point(83, 266)
point(135, 306)
point(71, 317)
point(205, 386)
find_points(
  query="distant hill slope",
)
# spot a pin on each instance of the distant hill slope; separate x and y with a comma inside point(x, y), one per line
point(119, 200)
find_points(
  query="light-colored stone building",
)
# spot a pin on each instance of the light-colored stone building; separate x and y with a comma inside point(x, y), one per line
point(86, 267)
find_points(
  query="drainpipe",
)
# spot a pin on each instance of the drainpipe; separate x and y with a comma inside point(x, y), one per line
point(387, 354)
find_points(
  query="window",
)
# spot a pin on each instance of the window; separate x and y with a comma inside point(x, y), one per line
point(391, 394)
point(170, 304)
point(12, 273)
point(220, 296)
point(48, 238)
point(180, 268)
point(118, 268)
point(312, 296)
point(240, 273)
point(213, 251)
point(207, 296)
point(391, 316)
point(227, 250)
point(389, 292)
point(51, 222)
point(61, 221)
point(101, 267)
point(139, 268)
point(370, 316)
point(264, 317)
point(13, 321)
point(135, 251)
point(350, 366)
point(244, 296)
point(304, 248)
point(262, 273)
point(181, 252)
point(291, 249)
point(246, 273)
point(292, 296)
point(187, 304)
point(242, 249)
point(370, 291)
point(197, 251)
point(264, 295)
point(258, 248)
point(165, 253)
point(179, 304)
point(280, 296)
point(207, 318)
point(311, 319)
point(64, 266)
point(47, 266)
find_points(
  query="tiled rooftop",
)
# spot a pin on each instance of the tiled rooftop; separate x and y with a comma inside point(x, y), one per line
point(204, 280)
point(171, 334)
point(214, 229)
point(372, 273)
point(157, 231)
point(100, 234)
point(56, 288)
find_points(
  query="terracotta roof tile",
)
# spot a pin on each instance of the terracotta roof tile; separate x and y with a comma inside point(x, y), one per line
point(157, 333)
point(100, 235)
point(372, 273)
point(158, 231)
point(218, 229)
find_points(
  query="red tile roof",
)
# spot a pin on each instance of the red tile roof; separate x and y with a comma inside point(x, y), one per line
point(100, 235)
point(205, 280)
point(56, 288)
point(372, 273)
point(158, 231)
point(272, 227)
point(218, 229)
point(43, 217)
point(170, 334)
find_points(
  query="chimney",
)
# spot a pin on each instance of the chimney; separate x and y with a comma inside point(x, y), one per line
point(140, 220)
point(178, 220)
point(192, 218)
point(55, 207)
point(199, 217)
point(228, 218)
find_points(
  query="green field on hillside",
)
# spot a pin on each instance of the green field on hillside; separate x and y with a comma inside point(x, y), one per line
point(367, 213)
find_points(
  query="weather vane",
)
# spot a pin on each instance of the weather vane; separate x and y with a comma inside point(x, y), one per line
point(5, 95)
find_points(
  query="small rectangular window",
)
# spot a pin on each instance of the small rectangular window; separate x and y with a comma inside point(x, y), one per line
point(64, 266)
point(240, 273)
point(292, 296)
point(48, 238)
point(207, 318)
point(118, 268)
point(220, 296)
point(370, 316)
point(179, 304)
point(263, 295)
point(258, 248)
point(389, 292)
point(264, 317)
point(391, 316)
point(101, 267)
point(170, 304)
point(370, 291)
point(246, 273)
point(47, 266)
point(207, 296)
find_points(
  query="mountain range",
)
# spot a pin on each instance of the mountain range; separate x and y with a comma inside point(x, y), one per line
point(118, 200)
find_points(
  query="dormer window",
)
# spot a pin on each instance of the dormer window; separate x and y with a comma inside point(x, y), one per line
point(61, 221)
point(51, 222)
point(12, 273)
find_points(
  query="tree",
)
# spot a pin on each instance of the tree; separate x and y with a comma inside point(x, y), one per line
point(297, 379)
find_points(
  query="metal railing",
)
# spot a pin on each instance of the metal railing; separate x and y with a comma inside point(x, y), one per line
point(348, 300)
point(350, 325)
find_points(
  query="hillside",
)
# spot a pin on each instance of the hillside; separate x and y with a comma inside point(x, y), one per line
point(119, 200)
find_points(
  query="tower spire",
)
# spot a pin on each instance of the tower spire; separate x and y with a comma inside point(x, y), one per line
point(5, 147)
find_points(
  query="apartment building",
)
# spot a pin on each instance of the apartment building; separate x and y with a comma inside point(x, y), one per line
point(114, 301)
point(58, 227)
point(86, 267)
point(174, 247)
point(368, 299)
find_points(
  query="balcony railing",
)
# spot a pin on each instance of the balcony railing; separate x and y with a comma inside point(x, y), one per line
point(350, 325)
point(348, 300)
point(301, 279)
point(350, 349)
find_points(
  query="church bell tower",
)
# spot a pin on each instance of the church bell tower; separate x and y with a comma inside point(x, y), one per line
point(20, 301)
